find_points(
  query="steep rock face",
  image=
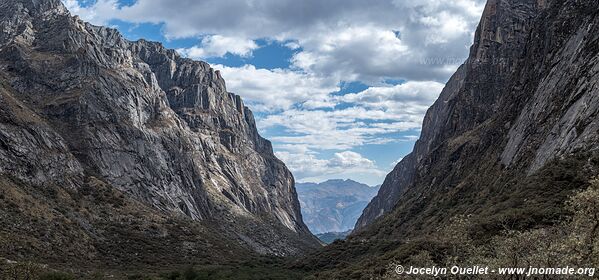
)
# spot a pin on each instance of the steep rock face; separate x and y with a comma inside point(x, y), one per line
point(516, 123)
point(470, 96)
point(84, 102)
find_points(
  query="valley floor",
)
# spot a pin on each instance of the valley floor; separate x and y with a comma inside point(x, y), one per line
point(259, 268)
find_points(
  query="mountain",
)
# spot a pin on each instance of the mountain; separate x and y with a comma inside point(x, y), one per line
point(133, 152)
point(330, 237)
point(333, 205)
point(512, 138)
point(523, 103)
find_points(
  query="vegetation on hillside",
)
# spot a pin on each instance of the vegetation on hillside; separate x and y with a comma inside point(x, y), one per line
point(258, 269)
point(574, 242)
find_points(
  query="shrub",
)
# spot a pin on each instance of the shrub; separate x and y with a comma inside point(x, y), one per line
point(56, 276)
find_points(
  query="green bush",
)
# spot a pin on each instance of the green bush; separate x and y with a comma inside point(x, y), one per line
point(56, 276)
point(190, 274)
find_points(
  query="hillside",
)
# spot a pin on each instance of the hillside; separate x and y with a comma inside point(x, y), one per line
point(114, 151)
point(511, 141)
point(123, 160)
point(330, 237)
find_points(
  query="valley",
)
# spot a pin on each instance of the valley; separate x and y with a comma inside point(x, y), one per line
point(125, 159)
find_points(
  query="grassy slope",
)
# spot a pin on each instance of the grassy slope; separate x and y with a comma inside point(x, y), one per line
point(97, 227)
point(515, 203)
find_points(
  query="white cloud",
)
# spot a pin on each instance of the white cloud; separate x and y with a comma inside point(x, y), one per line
point(365, 53)
point(99, 13)
point(218, 46)
point(348, 39)
point(308, 167)
point(373, 116)
point(349, 159)
point(421, 42)
point(410, 97)
point(292, 45)
point(277, 89)
point(338, 129)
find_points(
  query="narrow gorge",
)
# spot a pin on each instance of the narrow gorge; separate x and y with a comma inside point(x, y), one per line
point(122, 159)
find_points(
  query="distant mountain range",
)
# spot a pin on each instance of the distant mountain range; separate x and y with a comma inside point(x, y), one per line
point(330, 237)
point(333, 206)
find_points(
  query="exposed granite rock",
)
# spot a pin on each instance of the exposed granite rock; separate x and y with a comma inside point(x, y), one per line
point(526, 99)
point(83, 101)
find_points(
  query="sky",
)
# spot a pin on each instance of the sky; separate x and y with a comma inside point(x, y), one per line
point(339, 86)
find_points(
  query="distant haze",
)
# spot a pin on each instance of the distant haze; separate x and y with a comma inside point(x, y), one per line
point(334, 205)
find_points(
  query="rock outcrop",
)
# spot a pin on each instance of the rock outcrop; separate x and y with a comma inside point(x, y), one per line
point(79, 101)
point(525, 102)
point(513, 137)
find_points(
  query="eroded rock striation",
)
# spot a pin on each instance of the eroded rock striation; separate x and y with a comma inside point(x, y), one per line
point(513, 136)
point(79, 101)
point(515, 128)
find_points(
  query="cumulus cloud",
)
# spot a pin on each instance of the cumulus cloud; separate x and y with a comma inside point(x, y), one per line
point(308, 167)
point(372, 116)
point(218, 46)
point(420, 42)
point(410, 97)
point(349, 159)
point(338, 130)
point(351, 39)
point(278, 89)
point(100, 13)
point(352, 53)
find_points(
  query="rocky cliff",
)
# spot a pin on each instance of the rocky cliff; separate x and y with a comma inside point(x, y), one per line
point(525, 100)
point(512, 139)
point(81, 104)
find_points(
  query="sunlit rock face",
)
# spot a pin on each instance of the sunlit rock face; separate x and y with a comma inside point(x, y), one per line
point(80, 100)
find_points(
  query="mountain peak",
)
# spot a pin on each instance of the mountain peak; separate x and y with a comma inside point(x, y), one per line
point(91, 84)
point(33, 6)
point(333, 205)
point(337, 181)
point(342, 181)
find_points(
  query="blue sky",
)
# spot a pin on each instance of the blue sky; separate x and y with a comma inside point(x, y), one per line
point(340, 87)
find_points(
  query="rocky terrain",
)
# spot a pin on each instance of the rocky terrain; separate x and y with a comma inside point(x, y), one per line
point(512, 137)
point(122, 145)
point(115, 152)
point(525, 99)
point(333, 205)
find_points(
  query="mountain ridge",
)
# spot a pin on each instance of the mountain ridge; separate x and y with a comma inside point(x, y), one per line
point(511, 139)
point(333, 205)
point(498, 44)
point(82, 104)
